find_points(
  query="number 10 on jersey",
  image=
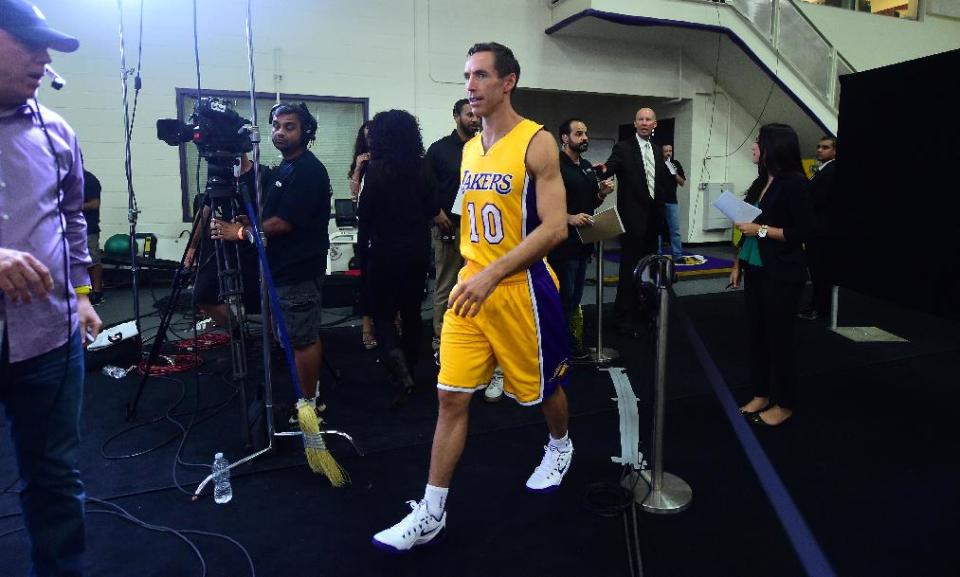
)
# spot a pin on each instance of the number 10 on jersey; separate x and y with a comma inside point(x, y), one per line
point(491, 221)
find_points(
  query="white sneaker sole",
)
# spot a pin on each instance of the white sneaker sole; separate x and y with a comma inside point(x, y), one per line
point(552, 488)
point(432, 538)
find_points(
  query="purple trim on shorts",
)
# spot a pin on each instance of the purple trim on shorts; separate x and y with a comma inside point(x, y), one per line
point(554, 341)
point(530, 199)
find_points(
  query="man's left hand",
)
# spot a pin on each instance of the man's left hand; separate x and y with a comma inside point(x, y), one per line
point(748, 228)
point(90, 323)
point(467, 296)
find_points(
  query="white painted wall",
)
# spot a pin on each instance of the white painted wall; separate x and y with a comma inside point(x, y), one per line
point(398, 53)
point(869, 40)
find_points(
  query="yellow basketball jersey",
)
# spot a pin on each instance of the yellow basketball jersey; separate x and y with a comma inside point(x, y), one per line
point(499, 198)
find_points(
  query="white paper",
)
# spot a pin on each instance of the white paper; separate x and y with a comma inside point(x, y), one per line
point(736, 209)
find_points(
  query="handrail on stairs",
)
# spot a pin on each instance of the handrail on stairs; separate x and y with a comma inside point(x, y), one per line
point(766, 18)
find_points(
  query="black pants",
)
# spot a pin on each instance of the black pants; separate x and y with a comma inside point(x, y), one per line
point(396, 286)
point(821, 275)
point(771, 315)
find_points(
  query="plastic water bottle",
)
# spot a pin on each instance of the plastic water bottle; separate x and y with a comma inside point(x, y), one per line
point(115, 372)
point(222, 491)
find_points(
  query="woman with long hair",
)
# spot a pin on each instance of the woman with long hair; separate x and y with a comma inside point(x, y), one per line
point(770, 265)
point(361, 155)
point(396, 207)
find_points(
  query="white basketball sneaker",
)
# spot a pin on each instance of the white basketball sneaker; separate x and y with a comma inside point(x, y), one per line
point(494, 390)
point(417, 528)
point(549, 473)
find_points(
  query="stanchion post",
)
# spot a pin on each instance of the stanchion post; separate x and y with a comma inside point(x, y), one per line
point(666, 493)
point(834, 305)
point(600, 355)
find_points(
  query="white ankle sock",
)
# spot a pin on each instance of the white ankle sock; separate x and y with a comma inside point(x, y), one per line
point(436, 498)
point(561, 443)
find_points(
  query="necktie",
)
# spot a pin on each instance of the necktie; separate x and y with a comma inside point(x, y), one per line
point(648, 165)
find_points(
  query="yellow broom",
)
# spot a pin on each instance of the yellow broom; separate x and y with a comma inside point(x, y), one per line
point(318, 456)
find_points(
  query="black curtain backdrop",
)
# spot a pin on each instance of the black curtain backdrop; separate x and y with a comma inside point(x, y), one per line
point(898, 198)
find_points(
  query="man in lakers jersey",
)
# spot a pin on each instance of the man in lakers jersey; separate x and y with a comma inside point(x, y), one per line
point(505, 307)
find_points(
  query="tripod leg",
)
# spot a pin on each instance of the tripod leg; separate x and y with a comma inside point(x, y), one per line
point(180, 279)
point(230, 277)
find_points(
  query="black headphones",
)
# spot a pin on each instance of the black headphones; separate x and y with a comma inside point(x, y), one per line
point(308, 124)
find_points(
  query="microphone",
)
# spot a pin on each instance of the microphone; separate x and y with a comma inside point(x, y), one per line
point(56, 81)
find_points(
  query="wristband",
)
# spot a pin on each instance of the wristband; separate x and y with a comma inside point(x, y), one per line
point(240, 233)
point(83, 289)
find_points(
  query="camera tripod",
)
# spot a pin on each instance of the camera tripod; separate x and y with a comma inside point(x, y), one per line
point(219, 200)
point(229, 274)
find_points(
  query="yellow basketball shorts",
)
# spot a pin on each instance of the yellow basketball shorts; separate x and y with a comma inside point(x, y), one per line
point(521, 327)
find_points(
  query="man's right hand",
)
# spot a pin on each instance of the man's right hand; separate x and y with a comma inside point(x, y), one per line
point(443, 221)
point(22, 275)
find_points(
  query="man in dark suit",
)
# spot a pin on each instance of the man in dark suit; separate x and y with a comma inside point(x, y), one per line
point(637, 164)
point(823, 197)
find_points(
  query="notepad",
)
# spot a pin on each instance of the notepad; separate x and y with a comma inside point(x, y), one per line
point(606, 224)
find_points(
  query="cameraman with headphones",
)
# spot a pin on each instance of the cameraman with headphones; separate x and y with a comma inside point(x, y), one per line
point(45, 311)
point(296, 212)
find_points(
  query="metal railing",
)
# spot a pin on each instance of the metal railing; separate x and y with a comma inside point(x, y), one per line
point(798, 43)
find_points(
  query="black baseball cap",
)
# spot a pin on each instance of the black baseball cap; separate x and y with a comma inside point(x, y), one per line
point(24, 21)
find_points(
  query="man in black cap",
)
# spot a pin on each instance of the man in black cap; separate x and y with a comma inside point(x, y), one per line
point(45, 311)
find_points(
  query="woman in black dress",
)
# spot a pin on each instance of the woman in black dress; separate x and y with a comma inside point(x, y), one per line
point(396, 207)
point(361, 155)
point(770, 265)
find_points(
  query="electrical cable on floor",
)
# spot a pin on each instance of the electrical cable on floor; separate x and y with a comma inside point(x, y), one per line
point(118, 511)
point(609, 499)
point(167, 416)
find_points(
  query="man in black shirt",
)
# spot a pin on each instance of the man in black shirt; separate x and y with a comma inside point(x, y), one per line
point(295, 217)
point(91, 213)
point(670, 179)
point(584, 195)
point(443, 157)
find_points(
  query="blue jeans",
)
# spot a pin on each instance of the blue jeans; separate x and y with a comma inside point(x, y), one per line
point(42, 397)
point(571, 273)
point(672, 216)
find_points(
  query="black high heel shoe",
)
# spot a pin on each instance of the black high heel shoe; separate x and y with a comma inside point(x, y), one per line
point(757, 420)
point(751, 414)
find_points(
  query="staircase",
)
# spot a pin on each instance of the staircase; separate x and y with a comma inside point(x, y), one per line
point(747, 45)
